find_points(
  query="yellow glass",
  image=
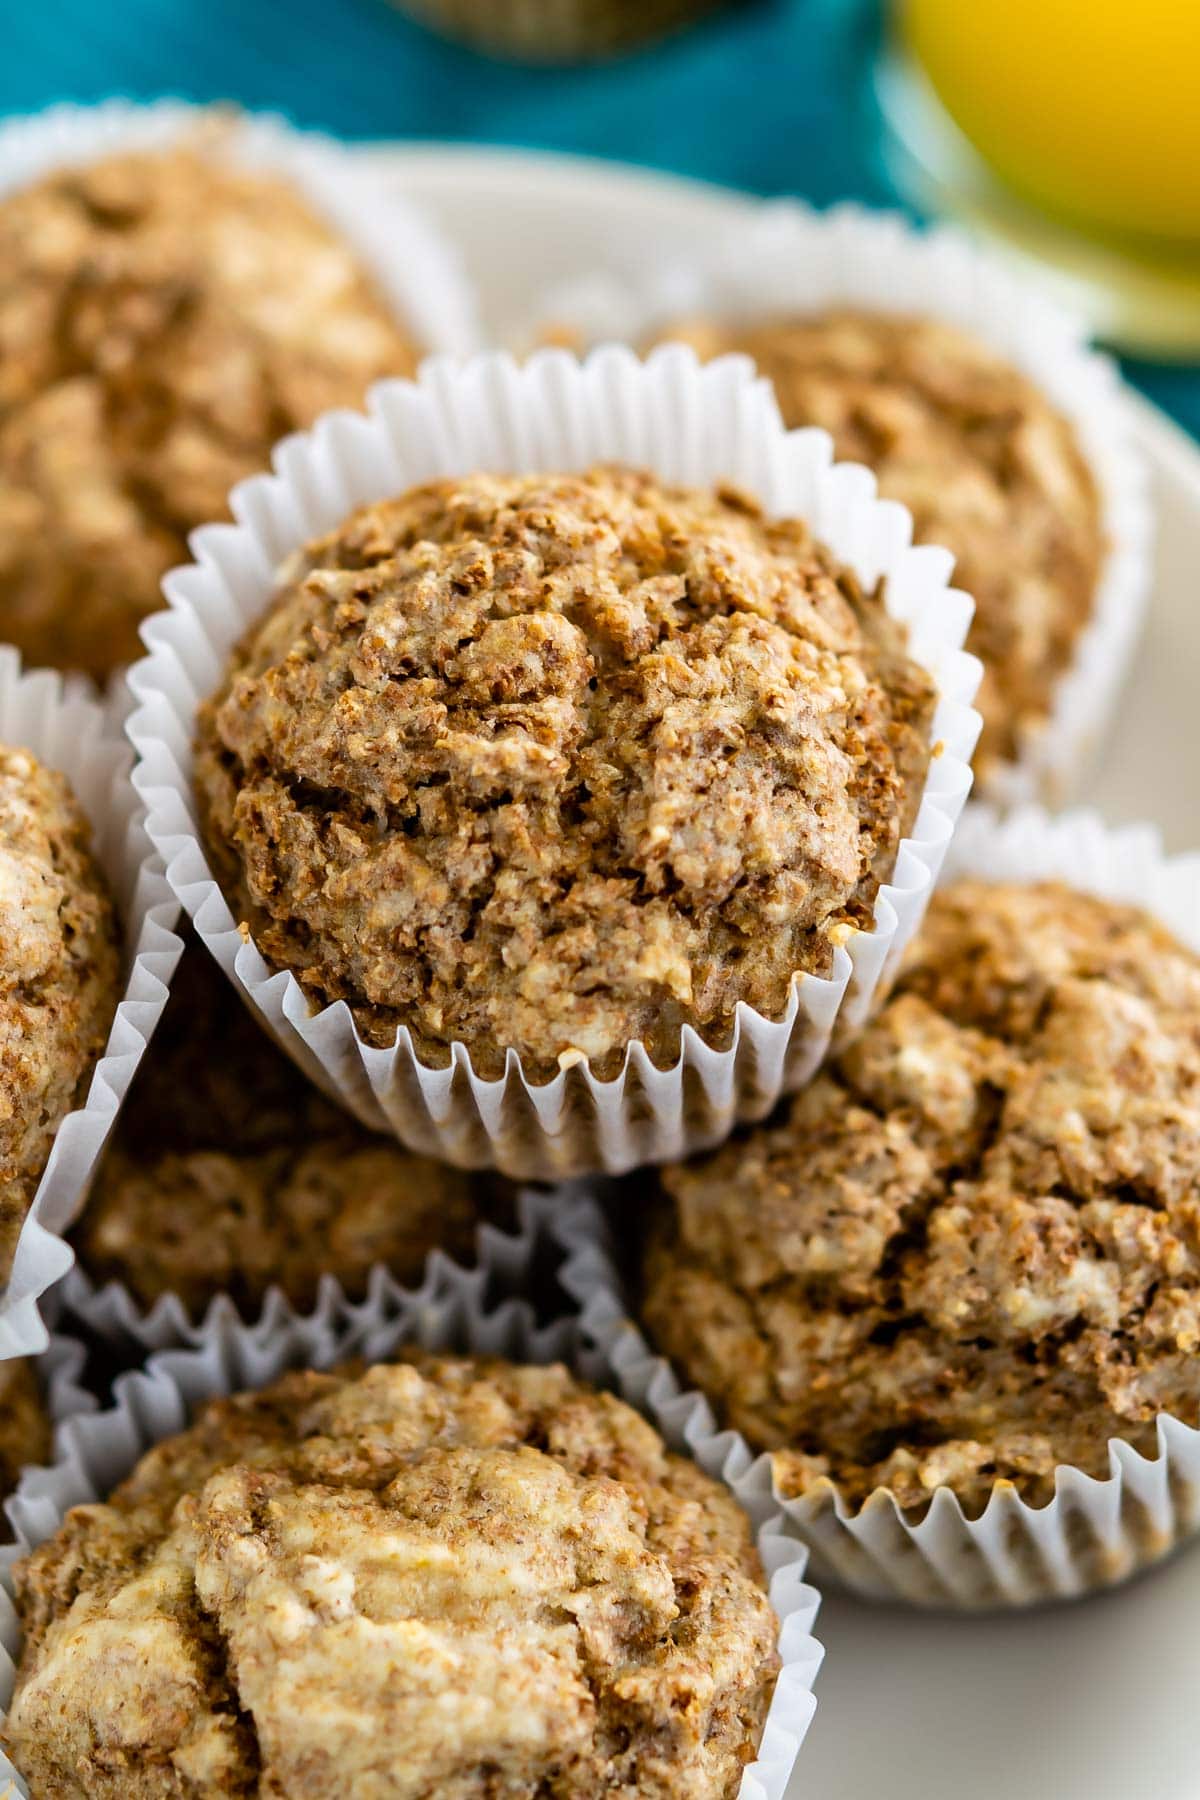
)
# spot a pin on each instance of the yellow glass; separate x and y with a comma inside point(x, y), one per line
point(1088, 107)
point(1069, 130)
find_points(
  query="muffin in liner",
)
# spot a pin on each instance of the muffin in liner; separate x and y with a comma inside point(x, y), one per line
point(1094, 1532)
point(417, 271)
point(554, 30)
point(164, 325)
point(790, 259)
point(503, 1259)
point(230, 1175)
point(448, 1313)
point(70, 731)
point(683, 423)
point(58, 1372)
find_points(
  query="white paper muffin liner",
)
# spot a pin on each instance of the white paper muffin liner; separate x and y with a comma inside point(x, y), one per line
point(60, 721)
point(685, 423)
point(60, 1369)
point(59, 1372)
point(449, 1312)
point(113, 1315)
point(417, 271)
point(1094, 1532)
point(790, 258)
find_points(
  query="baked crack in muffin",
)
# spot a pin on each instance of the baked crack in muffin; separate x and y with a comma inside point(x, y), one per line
point(230, 1172)
point(970, 1251)
point(437, 1577)
point(25, 1434)
point(60, 974)
point(983, 461)
point(551, 763)
point(165, 318)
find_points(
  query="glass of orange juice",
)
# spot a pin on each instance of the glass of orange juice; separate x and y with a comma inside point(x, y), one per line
point(1071, 127)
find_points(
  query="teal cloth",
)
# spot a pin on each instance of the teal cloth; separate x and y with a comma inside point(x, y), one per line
point(768, 95)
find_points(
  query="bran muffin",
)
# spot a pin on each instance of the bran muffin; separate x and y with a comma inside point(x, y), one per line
point(165, 318)
point(60, 974)
point(436, 1576)
point(25, 1433)
point(229, 1173)
point(970, 1251)
point(983, 461)
point(552, 763)
point(549, 31)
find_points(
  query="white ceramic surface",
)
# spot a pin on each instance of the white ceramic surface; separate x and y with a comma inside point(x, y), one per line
point(1094, 1701)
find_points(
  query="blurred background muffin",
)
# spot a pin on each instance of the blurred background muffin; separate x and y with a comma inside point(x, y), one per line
point(165, 318)
point(555, 30)
point(987, 466)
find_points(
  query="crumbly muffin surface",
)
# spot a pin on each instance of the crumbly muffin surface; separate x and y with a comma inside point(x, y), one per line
point(25, 1434)
point(441, 1576)
point(229, 1172)
point(59, 974)
point(164, 320)
point(558, 762)
point(986, 465)
point(971, 1250)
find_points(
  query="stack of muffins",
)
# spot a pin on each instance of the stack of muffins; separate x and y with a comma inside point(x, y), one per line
point(569, 818)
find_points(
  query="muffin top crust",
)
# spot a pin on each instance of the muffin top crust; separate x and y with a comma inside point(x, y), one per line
point(59, 974)
point(441, 1576)
point(553, 763)
point(165, 318)
point(983, 461)
point(229, 1172)
point(25, 1434)
point(971, 1249)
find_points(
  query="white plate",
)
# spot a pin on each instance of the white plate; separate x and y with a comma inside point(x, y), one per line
point(1090, 1702)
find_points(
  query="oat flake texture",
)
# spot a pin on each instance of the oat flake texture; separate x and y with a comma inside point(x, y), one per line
point(553, 763)
point(441, 1576)
point(969, 1249)
point(60, 974)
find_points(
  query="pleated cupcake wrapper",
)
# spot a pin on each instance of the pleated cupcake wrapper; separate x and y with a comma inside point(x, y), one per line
point(450, 1312)
point(684, 423)
point(115, 1317)
point(418, 273)
point(69, 730)
point(789, 258)
point(1094, 1532)
point(554, 30)
point(60, 1371)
